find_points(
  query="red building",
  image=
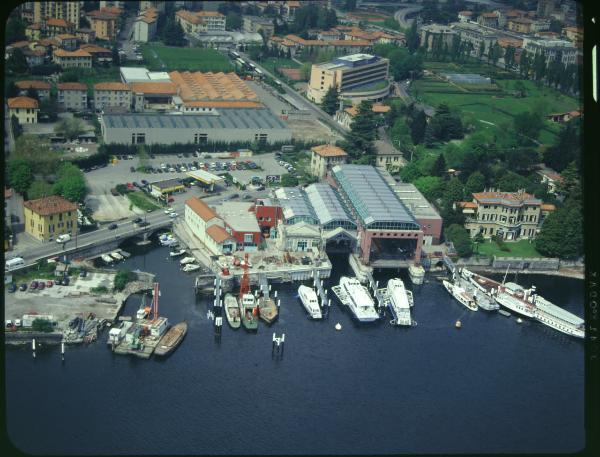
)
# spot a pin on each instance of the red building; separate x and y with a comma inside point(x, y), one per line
point(241, 223)
point(267, 214)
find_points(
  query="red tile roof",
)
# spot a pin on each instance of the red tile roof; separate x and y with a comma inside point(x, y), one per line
point(22, 102)
point(50, 205)
point(201, 209)
point(33, 84)
point(155, 88)
point(329, 150)
point(71, 86)
point(111, 86)
point(218, 233)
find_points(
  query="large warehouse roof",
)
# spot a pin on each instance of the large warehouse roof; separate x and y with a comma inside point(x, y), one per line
point(372, 198)
point(295, 204)
point(327, 204)
point(249, 118)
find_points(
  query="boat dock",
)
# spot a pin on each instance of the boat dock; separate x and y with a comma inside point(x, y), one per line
point(379, 294)
point(321, 293)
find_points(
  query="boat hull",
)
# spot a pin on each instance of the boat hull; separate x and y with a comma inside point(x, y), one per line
point(171, 339)
point(267, 310)
point(304, 293)
point(232, 311)
point(458, 294)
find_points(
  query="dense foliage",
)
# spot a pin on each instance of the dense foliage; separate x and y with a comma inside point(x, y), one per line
point(123, 277)
point(460, 239)
point(331, 101)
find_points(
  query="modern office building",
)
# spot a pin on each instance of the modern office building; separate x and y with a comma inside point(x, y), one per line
point(223, 125)
point(358, 77)
point(388, 232)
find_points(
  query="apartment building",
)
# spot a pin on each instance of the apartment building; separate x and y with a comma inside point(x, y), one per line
point(55, 26)
point(67, 41)
point(357, 77)
point(551, 48)
point(24, 108)
point(200, 21)
point(72, 96)
point(48, 217)
point(104, 23)
point(72, 59)
point(511, 215)
point(112, 95)
point(324, 157)
point(41, 87)
point(488, 20)
point(258, 24)
point(69, 11)
point(475, 34)
point(429, 33)
point(144, 27)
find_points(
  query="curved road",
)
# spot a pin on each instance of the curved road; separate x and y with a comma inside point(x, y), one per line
point(400, 15)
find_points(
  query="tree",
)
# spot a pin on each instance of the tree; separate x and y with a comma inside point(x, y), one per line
point(11, 89)
point(418, 125)
point(305, 70)
point(477, 240)
point(461, 240)
point(527, 126)
point(70, 183)
point(116, 58)
point(521, 90)
point(431, 187)
point(475, 183)
point(561, 234)
point(123, 277)
point(349, 5)
point(525, 65)
point(16, 64)
point(32, 93)
point(412, 38)
point(404, 65)
point(444, 126)
point(49, 109)
point(570, 180)
point(556, 26)
point(509, 57)
point(173, 34)
point(15, 30)
point(39, 188)
point(233, 21)
point(42, 325)
point(69, 76)
point(288, 180)
point(567, 149)
point(512, 182)
point(15, 125)
point(362, 130)
point(454, 191)
point(439, 166)
point(481, 50)
point(36, 153)
point(20, 175)
point(69, 128)
point(331, 101)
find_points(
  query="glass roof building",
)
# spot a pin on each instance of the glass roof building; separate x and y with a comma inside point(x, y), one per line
point(329, 208)
point(371, 199)
point(296, 206)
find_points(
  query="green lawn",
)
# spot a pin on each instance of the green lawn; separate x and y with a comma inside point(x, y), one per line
point(521, 248)
point(140, 200)
point(167, 58)
point(489, 110)
point(271, 63)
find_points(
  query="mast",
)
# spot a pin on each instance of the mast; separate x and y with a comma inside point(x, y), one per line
point(245, 282)
point(504, 279)
point(155, 303)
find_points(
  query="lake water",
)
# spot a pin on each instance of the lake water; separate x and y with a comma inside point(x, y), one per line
point(493, 386)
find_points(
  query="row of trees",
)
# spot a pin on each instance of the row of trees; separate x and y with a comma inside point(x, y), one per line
point(403, 63)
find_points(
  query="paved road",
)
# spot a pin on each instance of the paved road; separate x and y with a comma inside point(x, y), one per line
point(301, 101)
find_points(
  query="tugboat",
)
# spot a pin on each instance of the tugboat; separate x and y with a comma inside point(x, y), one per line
point(247, 302)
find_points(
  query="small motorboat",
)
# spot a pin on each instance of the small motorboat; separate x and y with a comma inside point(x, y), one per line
point(187, 260)
point(191, 267)
point(177, 253)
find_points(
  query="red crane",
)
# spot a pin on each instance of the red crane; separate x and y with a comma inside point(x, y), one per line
point(245, 282)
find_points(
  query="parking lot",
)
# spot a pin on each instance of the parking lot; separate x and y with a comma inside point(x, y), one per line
point(108, 207)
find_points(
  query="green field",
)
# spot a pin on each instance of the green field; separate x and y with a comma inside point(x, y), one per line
point(487, 108)
point(521, 248)
point(271, 63)
point(140, 200)
point(167, 58)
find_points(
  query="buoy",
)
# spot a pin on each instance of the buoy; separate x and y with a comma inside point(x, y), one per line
point(458, 324)
point(519, 320)
point(338, 326)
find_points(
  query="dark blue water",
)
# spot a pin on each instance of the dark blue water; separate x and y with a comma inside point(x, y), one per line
point(493, 386)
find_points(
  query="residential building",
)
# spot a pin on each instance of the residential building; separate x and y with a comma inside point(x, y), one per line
point(153, 96)
point(52, 26)
point(488, 20)
point(258, 24)
point(73, 59)
point(429, 33)
point(575, 34)
point(388, 159)
point(163, 189)
point(48, 217)
point(465, 16)
point(144, 27)
point(33, 32)
point(388, 232)
point(24, 108)
point(69, 11)
point(72, 96)
point(289, 10)
point(240, 222)
point(520, 25)
point(112, 94)
point(324, 157)
point(85, 35)
point(475, 34)
point(561, 118)
point(510, 215)
point(34, 57)
point(67, 41)
point(157, 5)
point(551, 48)
point(104, 24)
point(540, 25)
point(372, 36)
point(41, 87)
point(220, 125)
point(208, 227)
point(296, 44)
point(26, 12)
point(345, 116)
point(200, 21)
point(552, 179)
point(358, 77)
point(100, 55)
point(545, 7)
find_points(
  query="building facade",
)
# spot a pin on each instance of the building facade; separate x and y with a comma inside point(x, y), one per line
point(42, 88)
point(257, 24)
point(104, 24)
point(144, 27)
point(72, 96)
point(510, 215)
point(112, 94)
point(48, 217)
point(24, 108)
point(241, 224)
point(70, 11)
point(475, 34)
point(208, 227)
point(73, 59)
point(324, 157)
point(435, 32)
point(551, 48)
point(358, 77)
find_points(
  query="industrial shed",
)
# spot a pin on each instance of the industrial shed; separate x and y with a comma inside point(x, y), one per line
point(222, 125)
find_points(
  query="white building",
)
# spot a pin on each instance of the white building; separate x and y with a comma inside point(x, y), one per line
point(144, 27)
point(208, 227)
point(551, 48)
point(300, 237)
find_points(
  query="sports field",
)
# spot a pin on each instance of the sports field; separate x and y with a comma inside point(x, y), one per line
point(166, 58)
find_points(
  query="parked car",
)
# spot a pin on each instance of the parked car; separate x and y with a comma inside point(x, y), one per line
point(83, 273)
point(58, 282)
point(137, 220)
point(144, 182)
point(41, 285)
point(173, 215)
point(65, 281)
point(33, 285)
point(130, 157)
point(49, 283)
point(112, 226)
point(12, 288)
point(23, 287)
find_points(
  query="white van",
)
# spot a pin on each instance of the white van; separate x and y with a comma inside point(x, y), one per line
point(63, 238)
point(13, 264)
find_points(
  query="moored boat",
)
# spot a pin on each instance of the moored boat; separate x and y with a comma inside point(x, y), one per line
point(358, 299)
point(115, 255)
point(187, 260)
point(416, 274)
point(248, 312)
point(399, 302)
point(177, 253)
point(106, 258)
point(232, 311)
point(190, 267)
point(309, 300)
point(461, 295)
point(171, 339)
point(267, 310)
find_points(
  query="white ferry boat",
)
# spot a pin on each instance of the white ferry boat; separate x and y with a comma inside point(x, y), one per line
point(461, 295)
point(308, 297)
point(515, 298)
point(559, 319)
point(357, 298)
point(399, 301)
point(416, 274)
point(107, 259)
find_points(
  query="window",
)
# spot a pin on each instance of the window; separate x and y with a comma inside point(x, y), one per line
point(248, 238)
